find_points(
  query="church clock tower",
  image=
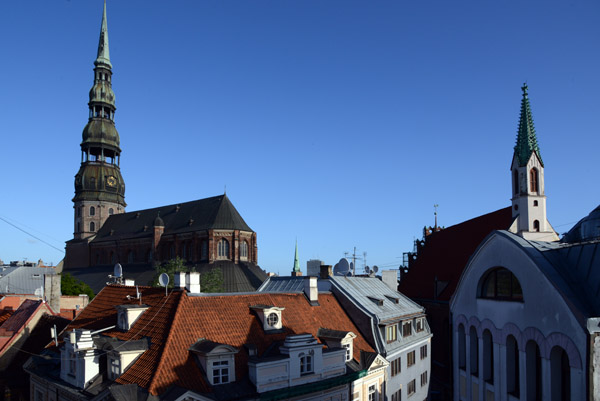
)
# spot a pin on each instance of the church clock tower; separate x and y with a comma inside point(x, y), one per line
point(527, 171)
point(99, 186)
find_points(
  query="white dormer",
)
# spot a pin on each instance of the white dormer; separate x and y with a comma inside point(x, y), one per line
point(217, 360)
point(270, 316)
point(120, 355)
point(127, 315)
point(79, 361)
point(339, 339)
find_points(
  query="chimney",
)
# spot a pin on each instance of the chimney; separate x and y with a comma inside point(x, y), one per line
point(326, 271)
point(192, 281)
point(311, 291)
point(179, 280)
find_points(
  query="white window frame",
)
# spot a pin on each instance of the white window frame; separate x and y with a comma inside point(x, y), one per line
point(306, 364)
point(220, 372)
point(391, 333)
point(411, 388)
point(348, 348)
point(114, 367)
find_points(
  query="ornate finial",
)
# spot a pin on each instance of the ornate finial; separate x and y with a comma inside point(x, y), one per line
point(524, 88)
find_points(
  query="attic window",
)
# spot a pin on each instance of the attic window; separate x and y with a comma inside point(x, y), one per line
point(270, 316)
point(127, 315)
point(272, 319)
point(376, 301)
point(216, 359)
point(393, 299)
point(35, 276)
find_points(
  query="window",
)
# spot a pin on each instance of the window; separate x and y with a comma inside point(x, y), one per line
point(423, 378)
point(473, 351)
point(420, 325)
point(488, 357)
point(372, 393)
point(78, 227)
point(424, 351)
point(92, 211)
point(533, 180)
point(111, 211)
point(115, 368)
point(131, 256)
point(462, 347)
point(348, 352)
point(72, 363)
point(406, 329)
point(560, 375)
point(306, 365)
point(391, 333)
point(272, 319)
point(397, 396)
point(223, 249)
point(92, 226)
point(512, 366)
point(396, 366)
point(410, 359)
point(78, 212)
point(220, 372)
point(204, 250)
point(244, 249)
point(501, 284)
point(411, 388)
point(535, 203)
point(536, 225)
point(516, 182)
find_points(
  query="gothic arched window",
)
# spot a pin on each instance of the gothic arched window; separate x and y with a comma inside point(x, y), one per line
point(92, 211)
point(244, 249)
point(223, 249)
point(533, 180)
point(500, 284)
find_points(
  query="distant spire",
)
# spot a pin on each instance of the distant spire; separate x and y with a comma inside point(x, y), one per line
point(103, 53)
point(526, 138)
point(296, 261)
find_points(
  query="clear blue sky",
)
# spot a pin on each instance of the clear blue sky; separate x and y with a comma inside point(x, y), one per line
point(339, 123)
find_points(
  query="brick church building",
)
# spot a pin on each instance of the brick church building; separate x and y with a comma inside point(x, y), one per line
point(206, 233)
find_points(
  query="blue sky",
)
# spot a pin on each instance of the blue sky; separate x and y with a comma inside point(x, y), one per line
point(339, 123)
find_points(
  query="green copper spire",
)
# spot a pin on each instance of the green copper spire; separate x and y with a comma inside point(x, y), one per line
point(103, 53)
point(296, 261)
point(526, 139)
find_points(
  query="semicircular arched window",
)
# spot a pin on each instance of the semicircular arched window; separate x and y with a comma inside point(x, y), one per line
point(500, 284)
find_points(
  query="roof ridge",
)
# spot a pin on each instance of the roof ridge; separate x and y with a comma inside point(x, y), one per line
point(167, 344)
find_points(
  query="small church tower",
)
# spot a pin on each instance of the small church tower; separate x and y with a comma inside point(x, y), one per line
point(99, 186)
point(527, 172)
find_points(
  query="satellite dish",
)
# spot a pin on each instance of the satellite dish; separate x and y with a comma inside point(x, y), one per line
point(367, 269)
point(341, 268)
point(118, 271)
point(375, 269)
point(163, 280)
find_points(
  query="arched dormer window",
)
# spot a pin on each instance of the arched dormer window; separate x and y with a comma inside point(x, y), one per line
point(500, 284)
point(92, 211)
point(223, 249)
point(533, 180)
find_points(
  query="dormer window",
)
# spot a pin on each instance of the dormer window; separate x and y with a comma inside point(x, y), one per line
point(114, 368)
point(127, 315)
point(419, 324)
point(270, 316)
point(391, 333)
point(306, 364)
point(338, 339)
point(406, 329)
point(121, 354)
point(217, 360)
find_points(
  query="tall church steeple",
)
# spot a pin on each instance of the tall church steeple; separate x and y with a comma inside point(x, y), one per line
point(296, 269)
point(527, 171)
point(99, 186)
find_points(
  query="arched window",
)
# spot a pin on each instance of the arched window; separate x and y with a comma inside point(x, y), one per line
point(92, 226)
point(516, 182)
point(462, 347)
point(306, 364)
point(488, 357)
point(500, 284)
point(560, 375)
point(512, 366)
point(204, 250)
point(78, 227)
point(473, 352)
point(533, 180)
point(78, 212)
point(223, 249)
point(93, 180)
point(536, 225)
point(111, 211)
point(244, 249)
point(92, 211)
point(533, 369)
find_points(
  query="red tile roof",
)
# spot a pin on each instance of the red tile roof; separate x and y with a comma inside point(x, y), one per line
point(5, 314)
point(177, 322)
point(446, 254)
point(19, 318)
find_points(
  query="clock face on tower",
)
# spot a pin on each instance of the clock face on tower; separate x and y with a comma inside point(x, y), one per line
point(111, 181)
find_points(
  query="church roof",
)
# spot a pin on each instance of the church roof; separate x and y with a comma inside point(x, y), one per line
point(526, 138)
point(445, 255)
point(210, 213)
point(586, 229)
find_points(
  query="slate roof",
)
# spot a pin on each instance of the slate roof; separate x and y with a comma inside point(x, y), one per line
point(175, 322)
point(23, 279)
point(240, 277)
point(446, 253)
point(210, 213)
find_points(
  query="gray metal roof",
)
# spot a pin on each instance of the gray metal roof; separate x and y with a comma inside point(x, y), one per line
point(376, 297)
point(23, 279)
point(283, 284)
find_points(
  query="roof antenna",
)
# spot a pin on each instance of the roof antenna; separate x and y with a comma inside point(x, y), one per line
point(435, 207)
point(225, 190)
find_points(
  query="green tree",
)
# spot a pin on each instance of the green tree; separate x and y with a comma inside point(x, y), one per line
point(69, 285)
point(212, 281)
point(170, 267)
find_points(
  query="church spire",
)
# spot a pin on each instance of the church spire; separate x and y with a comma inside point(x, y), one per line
point(103, 53)
point(526, 138)
point(296, 270)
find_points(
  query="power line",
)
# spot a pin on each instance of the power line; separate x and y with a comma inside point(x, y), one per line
point(31, 235)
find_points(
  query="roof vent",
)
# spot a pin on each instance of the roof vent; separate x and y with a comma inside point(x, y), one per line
point(376, 301)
